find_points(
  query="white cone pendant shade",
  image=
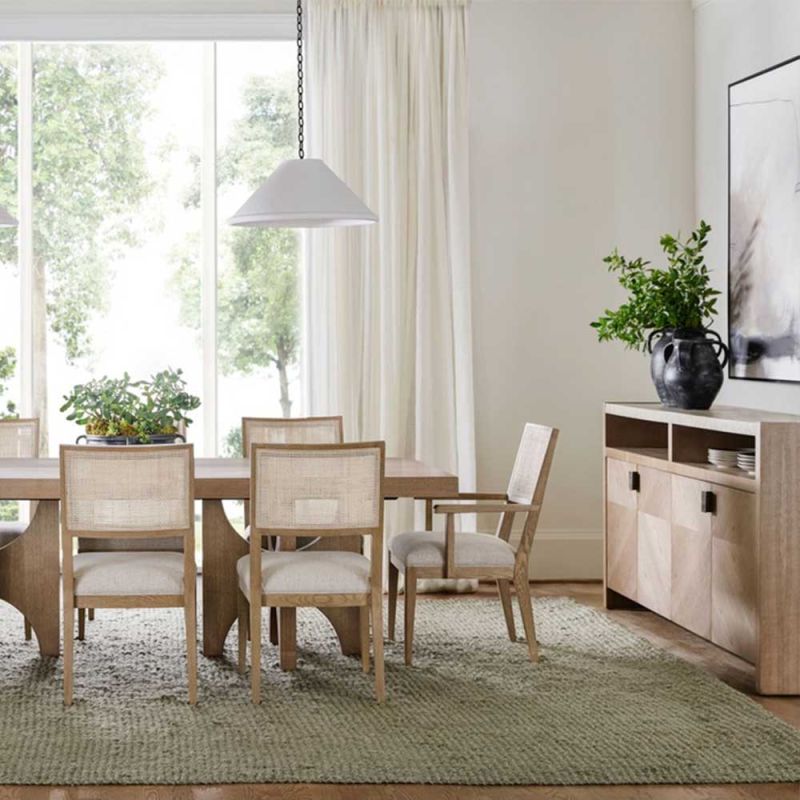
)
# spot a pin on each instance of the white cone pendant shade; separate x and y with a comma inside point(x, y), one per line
point(6, 220)
point(303, 193)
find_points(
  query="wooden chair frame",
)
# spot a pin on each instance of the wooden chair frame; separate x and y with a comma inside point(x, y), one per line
point(482, 503)
point(369, 603)
point(34, 423)
point(187, 600)
point(288, 423)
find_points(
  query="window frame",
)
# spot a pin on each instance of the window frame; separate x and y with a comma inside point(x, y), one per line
point(210, 29)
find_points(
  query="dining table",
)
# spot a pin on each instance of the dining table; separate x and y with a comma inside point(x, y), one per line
point(30, 564)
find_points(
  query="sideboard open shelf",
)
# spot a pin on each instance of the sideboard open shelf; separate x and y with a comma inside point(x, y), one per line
point(715, 550)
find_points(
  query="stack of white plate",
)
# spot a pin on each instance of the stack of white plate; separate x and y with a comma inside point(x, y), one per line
point(722, 458)
point(746, 460)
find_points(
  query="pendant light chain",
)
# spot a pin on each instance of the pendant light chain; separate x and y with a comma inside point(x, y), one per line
point(300, 133)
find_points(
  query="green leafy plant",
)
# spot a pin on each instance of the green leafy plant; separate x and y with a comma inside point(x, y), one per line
point(141, 409)
point(678, 296)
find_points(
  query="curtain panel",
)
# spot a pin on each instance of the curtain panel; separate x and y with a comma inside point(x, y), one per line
point(387, 309)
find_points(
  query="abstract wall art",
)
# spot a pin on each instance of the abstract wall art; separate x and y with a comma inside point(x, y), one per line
point(764, 224)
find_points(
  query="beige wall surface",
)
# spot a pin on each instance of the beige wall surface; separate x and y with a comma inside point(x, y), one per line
point(734, 39)
point(581, 138)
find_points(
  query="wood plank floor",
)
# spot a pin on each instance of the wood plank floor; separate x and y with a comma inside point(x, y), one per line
point(664, 634)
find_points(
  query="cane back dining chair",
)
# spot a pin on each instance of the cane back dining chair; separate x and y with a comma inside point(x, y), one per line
point(132, 497)
point(324, 490)
point(19, 438)
point(288, 430)
point(447, 554)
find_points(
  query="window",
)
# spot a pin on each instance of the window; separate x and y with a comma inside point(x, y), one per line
point(139, 152)
point(9, 274)
point(257, 290)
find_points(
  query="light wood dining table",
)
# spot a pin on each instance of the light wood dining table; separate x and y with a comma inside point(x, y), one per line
point(30, 564)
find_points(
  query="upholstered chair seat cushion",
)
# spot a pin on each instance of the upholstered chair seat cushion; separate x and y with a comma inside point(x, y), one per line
point(308, 572)
point(128, 573)
point(10, 531)
point(426, 549)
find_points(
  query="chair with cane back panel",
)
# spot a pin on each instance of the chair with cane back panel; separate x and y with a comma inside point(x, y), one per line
point(447, 554)
point(130, 497)
point(19, 438)
point(288, 430)
point(333, 490)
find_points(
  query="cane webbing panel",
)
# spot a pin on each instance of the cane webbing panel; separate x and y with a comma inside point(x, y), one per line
point(334, 489)
point(312, 430)
point(125, 490)
point(18, 438)
point(528, 464)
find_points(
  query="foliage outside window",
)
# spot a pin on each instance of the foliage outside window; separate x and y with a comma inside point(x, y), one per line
point(106, 176)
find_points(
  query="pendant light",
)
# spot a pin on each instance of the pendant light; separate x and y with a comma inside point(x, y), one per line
point(6, 220)
point(303, 192)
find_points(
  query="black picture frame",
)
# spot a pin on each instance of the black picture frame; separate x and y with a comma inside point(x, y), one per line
point(731, 376)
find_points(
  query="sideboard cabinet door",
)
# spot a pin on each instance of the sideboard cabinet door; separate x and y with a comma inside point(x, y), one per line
point(621, 503)
point(733, 572)
point(691, 556)
point(654, 575)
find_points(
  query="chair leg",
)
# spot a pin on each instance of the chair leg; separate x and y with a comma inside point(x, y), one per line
point(69, 633)
point(504, 587)
point(410, 608)
point(191, 645)
point(81, 624)
point(394, 574)
point(243, 626)
point(273, 626)
point(287, 638)
point(523, 588)
point(28, 630)
point(255, 650)
point(377, 644)
point(91, 615)
point(363, 624)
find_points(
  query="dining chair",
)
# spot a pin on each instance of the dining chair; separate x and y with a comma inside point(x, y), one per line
point(287, 430)
point(324, 490)
point(137, 504)
point(290, 430)
point(447, 554)
point(19, 438)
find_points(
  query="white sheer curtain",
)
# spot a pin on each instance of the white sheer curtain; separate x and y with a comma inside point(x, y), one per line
point(388, 309)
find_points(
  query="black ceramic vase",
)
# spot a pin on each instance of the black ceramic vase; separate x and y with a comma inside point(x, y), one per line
point(657, 360)
point(692, 371)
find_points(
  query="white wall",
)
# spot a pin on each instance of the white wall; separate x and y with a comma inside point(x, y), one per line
point(734, 39)
point(581, 139)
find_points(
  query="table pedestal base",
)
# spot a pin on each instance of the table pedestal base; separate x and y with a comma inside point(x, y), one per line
point(222, 548)
point(29, 576)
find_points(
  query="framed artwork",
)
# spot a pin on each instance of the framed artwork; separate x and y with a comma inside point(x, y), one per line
point(764, 224)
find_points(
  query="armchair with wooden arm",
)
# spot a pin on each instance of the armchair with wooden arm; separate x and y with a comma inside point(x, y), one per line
point(451, 554)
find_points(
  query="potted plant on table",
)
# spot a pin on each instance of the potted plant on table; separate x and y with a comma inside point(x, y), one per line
point(121, 411)
point(668, 313)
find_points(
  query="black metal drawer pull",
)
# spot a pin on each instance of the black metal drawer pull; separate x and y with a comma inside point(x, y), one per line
point(708, 502)
point(633, 481)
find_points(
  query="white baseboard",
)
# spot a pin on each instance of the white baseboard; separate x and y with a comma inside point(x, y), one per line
point(569, 555)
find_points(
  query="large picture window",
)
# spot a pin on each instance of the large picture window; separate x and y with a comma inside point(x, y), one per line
point(137, 153)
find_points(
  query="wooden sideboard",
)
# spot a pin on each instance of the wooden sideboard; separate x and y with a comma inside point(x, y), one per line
point(713, 549)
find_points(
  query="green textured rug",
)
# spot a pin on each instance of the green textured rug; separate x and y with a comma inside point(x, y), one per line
point(603, 706)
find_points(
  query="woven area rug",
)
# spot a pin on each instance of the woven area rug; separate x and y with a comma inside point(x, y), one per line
point(602, 706)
